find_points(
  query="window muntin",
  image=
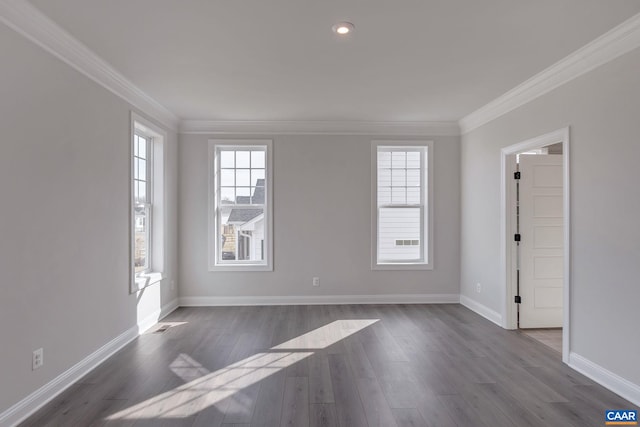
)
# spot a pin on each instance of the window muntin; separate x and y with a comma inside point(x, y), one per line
point(401, 194)
point(142, 181)
point(241, 214)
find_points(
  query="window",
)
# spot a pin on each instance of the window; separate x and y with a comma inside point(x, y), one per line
point(401, 193)
point(240, 218)
point(142, 202)
point(147, 196)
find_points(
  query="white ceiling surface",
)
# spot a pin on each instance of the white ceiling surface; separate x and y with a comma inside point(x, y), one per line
point(408, 60)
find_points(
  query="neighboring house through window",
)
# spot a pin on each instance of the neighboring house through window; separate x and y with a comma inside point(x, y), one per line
point(147, 199)
point(401, 229)
point(240, 216)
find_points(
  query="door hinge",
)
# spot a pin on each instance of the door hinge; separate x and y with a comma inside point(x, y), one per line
point(517, 299)
point(516, 237)
point(516, 175)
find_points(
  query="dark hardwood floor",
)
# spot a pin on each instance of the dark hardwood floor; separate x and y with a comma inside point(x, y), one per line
point(348, 366)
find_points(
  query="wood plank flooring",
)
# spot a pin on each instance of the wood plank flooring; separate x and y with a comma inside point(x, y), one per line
point(551, 337)
point(346, 366)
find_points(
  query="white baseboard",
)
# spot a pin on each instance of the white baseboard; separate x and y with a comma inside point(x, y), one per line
point(482, 310)
point(622, 387)
point(30, 404)
point(157, 315)
point(27, 406)
point(321, 299)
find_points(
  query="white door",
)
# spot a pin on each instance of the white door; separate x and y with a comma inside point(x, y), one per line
point(541, 245)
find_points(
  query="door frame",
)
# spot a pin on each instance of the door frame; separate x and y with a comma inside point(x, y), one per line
point(508, 254)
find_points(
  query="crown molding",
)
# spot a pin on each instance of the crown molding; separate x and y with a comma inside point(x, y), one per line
point(229, 127)
point(611, 45)
point(27, 20)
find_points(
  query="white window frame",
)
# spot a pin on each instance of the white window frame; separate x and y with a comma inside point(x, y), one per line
point(426, 234)
point(156, 190)
point(216, 263)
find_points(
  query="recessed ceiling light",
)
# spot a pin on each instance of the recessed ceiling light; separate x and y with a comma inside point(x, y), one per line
point(343, 28)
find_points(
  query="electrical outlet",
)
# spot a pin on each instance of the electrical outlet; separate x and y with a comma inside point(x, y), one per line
point(316, 281)
point(38, 359)
point(478, 287)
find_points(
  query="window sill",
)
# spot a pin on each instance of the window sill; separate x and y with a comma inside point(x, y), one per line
point(141, 281)
point(240, 267)
point(401, 266)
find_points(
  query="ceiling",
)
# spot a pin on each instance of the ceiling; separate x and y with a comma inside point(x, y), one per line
point(408, 60)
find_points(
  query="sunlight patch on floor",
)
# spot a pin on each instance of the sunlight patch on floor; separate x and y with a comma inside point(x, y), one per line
point(187, 368)
point(204, 389)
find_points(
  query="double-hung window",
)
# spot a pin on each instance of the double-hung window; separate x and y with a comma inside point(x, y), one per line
point(402, 219)
point(147, 203)
point(240, 219)
point(142, 192)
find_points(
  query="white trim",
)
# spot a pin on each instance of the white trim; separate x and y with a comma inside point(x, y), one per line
point(146, 279)
point(36, 400)
point(622, 387)
point(427, 226)
point(26, 19)
point(614, 43)
point(506, 235)
point(157, 226)
point(481, 309)
point(320, 299)
point(27, 406)
point(212, 127)
point(267, 264)
point(146, 323)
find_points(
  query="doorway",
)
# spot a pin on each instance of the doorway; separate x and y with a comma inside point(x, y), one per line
point(535, 241)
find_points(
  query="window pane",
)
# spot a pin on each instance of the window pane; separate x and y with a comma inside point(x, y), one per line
point(136, 191)
point(257, 195)
point(136, 173)
point(227, 177)
point(141, 238)
point(398, 196)
point(395, 225)
point(242, 159)
point(413, 160)
point(142, 147)
point(257, 159)
point(384, 177)
point(413, 178)
point(227, 195)
point(243, 178)
point(142, 169)
point(257, 174)
point(384, 159)
point(398, 159)
point(398, 177)
point(413, 196)
point(243, 192)
point(384, 195)
point(142, 191)
point(227, 159)
point(241, 234)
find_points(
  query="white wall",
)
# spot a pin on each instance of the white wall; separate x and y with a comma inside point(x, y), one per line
point(603, 110)
point(64, 218)
point(322, 217)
